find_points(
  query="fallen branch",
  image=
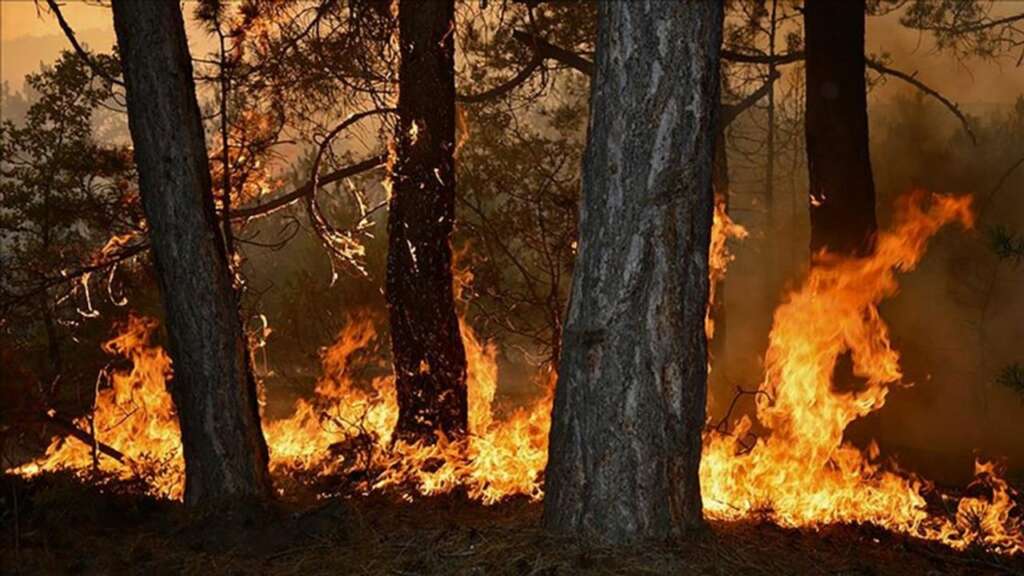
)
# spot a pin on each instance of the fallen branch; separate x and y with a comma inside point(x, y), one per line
point(83, 436)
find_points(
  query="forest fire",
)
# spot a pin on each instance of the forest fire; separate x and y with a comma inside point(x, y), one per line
point(799, 473)
point(440, 287)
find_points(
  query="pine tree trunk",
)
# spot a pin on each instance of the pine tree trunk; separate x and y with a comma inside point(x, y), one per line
point(629, 407)
point(213, 386)
point(842, 190)
point(720, 185)
point(430, 362)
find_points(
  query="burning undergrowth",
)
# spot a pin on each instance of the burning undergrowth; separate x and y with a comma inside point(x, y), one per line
point(799, 473)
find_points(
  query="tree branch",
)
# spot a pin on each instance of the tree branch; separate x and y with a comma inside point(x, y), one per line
point(778, 59)
point(82, 53)
point(505, 87)
point(307, 188)
point(731, 111)
point(546, 50)
point(912, 80)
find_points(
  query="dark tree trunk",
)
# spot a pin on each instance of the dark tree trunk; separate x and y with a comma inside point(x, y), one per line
point(629, 406)
point(430, 362)
point(720, 186)
point(842, 190)
point(213, 387)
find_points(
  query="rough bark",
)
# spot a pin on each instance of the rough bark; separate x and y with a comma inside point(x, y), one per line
point(842, 190)
point(430, 362)
point(629, 406)
point(213, 386)
point(720, 185)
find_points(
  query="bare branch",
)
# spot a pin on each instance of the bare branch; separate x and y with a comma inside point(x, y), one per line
point(307, 188)
point(546, 50)
point(912, 80)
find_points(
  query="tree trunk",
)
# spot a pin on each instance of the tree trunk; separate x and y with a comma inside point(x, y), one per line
point(630, 401)
point(842, 191)
point(430, 362)
point(720, 185)
point(213, 387)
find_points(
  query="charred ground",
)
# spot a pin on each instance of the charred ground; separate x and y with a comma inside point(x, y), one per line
point(55, 524)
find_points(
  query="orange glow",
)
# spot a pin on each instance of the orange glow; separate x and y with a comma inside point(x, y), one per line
point(134, 415)
point(799, 472)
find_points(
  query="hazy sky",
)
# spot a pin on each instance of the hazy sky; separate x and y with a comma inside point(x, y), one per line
point(29, 39)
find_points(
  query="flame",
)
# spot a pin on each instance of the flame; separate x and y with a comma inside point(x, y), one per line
point(802, 473)
point(799, 473)
point(133, 414)
point(722, 230)
point(502, 456)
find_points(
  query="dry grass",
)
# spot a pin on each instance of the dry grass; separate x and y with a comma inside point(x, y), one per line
point(64, 527)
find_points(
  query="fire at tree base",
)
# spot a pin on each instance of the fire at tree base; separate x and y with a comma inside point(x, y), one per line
point(800, 473)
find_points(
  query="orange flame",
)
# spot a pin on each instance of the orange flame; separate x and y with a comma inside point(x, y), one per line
point(134, 414)
point(800, 473)
point(803, 473)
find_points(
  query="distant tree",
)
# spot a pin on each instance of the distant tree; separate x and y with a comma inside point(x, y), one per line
point(63, 193)
point(429, 358)
point(213, 387)
point(842, 190)
point(630, 400)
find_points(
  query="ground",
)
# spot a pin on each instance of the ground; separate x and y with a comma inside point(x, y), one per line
point(58, 525)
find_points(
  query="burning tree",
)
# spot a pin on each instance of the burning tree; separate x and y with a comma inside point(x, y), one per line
point(213, 387)
point(429, 358)
point(629, 404)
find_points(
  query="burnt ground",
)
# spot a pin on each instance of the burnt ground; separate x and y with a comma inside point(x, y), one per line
point(57, 525)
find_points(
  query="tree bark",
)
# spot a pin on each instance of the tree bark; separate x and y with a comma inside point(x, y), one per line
point(629, 406)
point(720, 185)
point(213, 387)
point(842, 190)
point(429, 358)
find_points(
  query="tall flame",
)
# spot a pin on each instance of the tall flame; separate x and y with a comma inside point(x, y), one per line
point(800, 472)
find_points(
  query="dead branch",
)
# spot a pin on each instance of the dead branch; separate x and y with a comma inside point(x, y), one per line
point(546, 50)
point(82, 436)
point(731, 111)
point(307, 188)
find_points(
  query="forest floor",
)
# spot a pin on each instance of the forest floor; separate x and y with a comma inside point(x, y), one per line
point(57, 525)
